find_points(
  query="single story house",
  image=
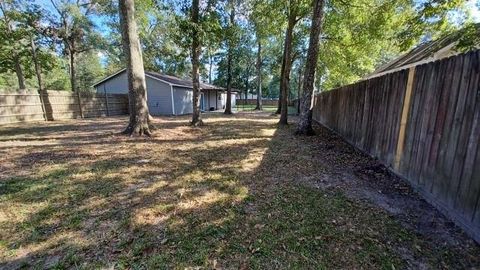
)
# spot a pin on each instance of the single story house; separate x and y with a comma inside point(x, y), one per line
point(168, 95)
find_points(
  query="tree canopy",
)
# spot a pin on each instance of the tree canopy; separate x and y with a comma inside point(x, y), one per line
point(83, 38)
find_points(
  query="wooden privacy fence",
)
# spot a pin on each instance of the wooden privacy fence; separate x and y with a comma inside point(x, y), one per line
point(53, 105)
point(424, 123)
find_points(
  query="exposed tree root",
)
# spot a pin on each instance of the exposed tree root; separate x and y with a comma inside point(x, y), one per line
point(152, 127)
point(305, 131)
point(137, 130)
point(197, 123)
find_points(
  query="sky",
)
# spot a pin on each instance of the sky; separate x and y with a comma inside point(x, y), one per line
point(474, 9)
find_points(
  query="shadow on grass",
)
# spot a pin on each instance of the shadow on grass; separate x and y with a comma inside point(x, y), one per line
point(226, 195)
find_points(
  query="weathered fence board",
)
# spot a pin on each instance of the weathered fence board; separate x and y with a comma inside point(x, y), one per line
point(51, 105)
point(423, 123)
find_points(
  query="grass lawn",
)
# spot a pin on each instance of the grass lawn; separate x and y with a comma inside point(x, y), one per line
point(236, 193)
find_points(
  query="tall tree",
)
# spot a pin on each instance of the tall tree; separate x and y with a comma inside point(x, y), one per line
point(75, 29)
point(198, 25)
point(231, 42)
point(259, 75)
point(295, 12)
point(266, 18)
point(36, 62)
point(139, 123)
point(242, 67)
point(13, 49)
point(196, 52)
point(305, 122)
point(31, 20)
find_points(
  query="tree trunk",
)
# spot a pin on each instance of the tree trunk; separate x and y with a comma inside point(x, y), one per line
point(259, 77)
point(72, 70)
point(38, 69)
point(305, 123)
point(280, 94)
point(247, 83)
point(196, 51)
point(285, 76)
point(228, 106)
point(210, 57)
point(299, 86)
point(137, 90)
point(15, 56)
point(19, 71)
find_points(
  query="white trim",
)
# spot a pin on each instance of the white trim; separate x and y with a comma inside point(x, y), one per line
point(173, 101)
point(146, 75)
point(160, 80)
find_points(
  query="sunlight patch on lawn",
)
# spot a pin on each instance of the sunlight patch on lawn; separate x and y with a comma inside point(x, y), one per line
point(72, 239)
point(253, 160)
point(149, 216)
point(204, 200)
point(18, 212)
point(268, 132)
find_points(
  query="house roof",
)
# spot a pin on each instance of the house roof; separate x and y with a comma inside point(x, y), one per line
point(182, 82)
point(171, 80)
point(425, 52)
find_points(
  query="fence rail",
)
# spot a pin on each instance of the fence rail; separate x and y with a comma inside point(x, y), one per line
point(266, 102)
point(53, 105)
point(424, 123)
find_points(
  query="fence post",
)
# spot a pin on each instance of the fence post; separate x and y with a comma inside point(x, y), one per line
point(80, 103)
point(106, 104)
point(404, 119)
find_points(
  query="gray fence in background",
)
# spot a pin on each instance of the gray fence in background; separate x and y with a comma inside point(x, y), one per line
point(54, 105)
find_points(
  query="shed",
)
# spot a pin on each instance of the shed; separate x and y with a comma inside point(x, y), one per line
point(168, 95)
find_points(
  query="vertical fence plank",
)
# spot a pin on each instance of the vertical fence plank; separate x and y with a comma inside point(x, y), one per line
point(436, 91)
point(470, 190)
point(106, 104)
point(466, 129)
point(80, 104)
point(455, 133)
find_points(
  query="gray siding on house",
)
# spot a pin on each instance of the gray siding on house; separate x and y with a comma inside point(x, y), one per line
point(159, 97)
point(210, 100)
point(116, 85)
point(182, 100)
point(234, 100)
